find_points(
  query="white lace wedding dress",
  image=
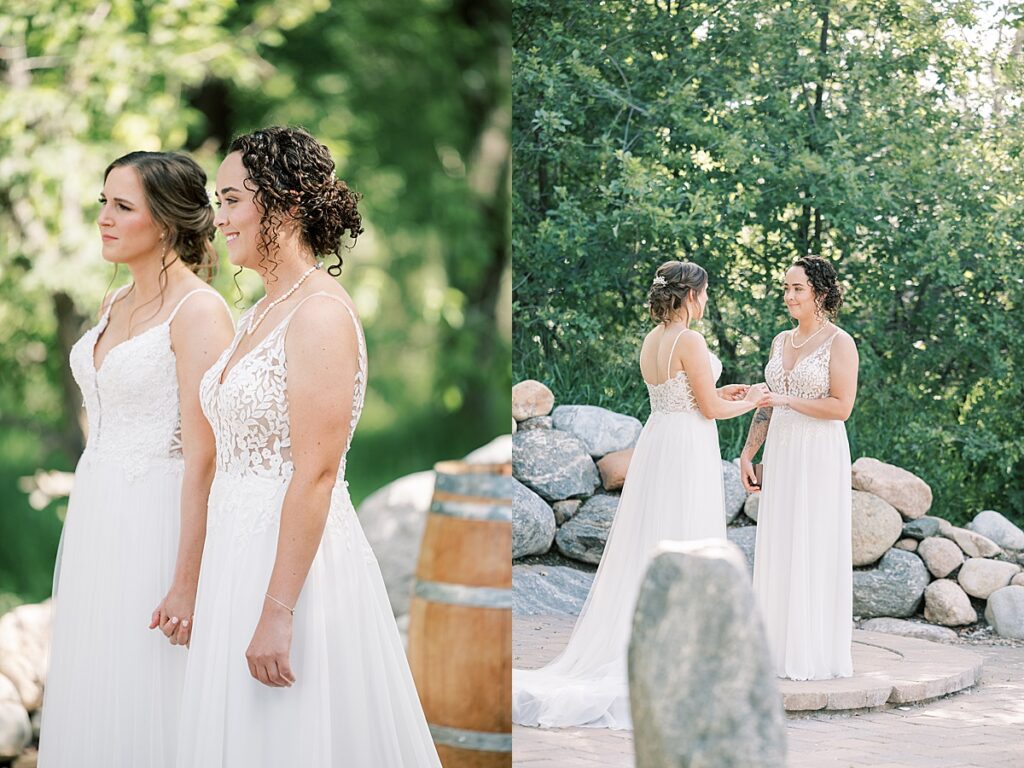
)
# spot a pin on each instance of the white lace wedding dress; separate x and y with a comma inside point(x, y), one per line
point(673, 491)
point(354, 703)
point(803, 561)
point(114, 685)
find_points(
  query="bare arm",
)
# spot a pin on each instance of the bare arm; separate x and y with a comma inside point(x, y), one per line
point(321, 387)
point(199, 333)
point(693, 352)
point(843, 369)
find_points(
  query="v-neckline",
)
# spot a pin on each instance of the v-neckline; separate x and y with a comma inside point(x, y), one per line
point(225, 372)
point(812, 353)
point(100, 329)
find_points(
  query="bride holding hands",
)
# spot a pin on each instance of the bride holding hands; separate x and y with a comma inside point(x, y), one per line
point(673, 491)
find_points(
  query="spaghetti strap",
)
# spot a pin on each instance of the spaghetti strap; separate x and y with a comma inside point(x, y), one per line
point(189, 295)
point(113, 298)
point(351, 312)
point(668, 367)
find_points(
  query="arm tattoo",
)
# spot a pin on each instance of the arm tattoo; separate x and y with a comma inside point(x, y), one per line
point(758, 431)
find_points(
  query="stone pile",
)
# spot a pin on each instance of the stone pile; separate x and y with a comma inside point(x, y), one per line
point(570, 462)
point(24, 650)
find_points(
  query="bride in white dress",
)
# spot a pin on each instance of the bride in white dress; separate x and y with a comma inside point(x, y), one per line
point(113, 688)
point(295, 656)
point(673, 491)
point(803, 564)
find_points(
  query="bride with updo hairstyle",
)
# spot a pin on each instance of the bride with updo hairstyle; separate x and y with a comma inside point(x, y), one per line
point(673, 491)
point(133, 535)
point(803, 562)
point(295, 657)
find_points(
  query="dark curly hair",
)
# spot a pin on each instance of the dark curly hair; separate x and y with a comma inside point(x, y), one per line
point(289, 170)
point(828, 293)
point(175, 189)
point(682, 280)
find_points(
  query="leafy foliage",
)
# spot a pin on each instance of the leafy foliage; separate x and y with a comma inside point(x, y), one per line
point(742, 135)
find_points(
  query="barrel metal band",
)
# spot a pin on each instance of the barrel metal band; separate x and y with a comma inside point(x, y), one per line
point(499, 512)
point(460, 594)
point(478, 740)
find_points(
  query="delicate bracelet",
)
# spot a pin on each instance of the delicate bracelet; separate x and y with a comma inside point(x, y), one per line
point(290, 610)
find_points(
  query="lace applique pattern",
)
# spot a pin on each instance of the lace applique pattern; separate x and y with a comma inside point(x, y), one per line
point(809, 378)
point(675, 394)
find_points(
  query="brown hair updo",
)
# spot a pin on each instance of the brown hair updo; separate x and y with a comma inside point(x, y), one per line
point(175, 189)
point(674, 283)
point(828, 293)
point(292, 173)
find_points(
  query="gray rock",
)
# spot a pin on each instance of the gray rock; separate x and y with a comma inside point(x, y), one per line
point(1005, 612)
point(994, 526)
point(537, 422)
point(921, 528)
point(940, 555)
point(583, 538)
point(393, 519)
point(981, 577)
point(744, 537)
point(735, 493)
point(566, 510)
point(876, 526)
point(601, 430)
point(910, 629)
point(751, 504)
point(539, 590)
point(894, 587)
point(533, 522)
point(973, 544)
point(553, 463)
point(947, 604)
point(702, 688)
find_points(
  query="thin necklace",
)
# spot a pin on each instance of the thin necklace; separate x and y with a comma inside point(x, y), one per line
point(254, 324)
point(794, 345)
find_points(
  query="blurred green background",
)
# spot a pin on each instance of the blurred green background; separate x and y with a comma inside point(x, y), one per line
point(886, 135)
point(413, 99)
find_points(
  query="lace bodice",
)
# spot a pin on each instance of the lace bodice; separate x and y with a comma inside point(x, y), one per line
point(249, 410)
point(675, 393)
point(809, 378)
point(131, 401)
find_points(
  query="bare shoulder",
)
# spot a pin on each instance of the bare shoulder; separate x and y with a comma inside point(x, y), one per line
point(844, 341)
point(324, 324)
point(206, 305)
point(690, 341)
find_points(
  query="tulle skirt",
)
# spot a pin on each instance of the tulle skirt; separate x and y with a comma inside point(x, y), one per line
point(353, 704)
point(803, 561)
point(114, 685)
point(673, 491)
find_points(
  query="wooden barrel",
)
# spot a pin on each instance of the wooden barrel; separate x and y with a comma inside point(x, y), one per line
point(460, 621)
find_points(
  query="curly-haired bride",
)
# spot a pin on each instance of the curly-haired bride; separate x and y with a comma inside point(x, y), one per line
point(295, 655)
point(673, 491)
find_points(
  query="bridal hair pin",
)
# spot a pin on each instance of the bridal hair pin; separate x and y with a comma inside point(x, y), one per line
point(659, 280)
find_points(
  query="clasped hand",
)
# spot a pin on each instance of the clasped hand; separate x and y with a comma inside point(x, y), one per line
point(735, 392)
point(173, 616)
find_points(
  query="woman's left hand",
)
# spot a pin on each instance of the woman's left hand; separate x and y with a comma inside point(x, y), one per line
point(174, 615)
point(271, 644)
point(774, 400)
point(733, 391)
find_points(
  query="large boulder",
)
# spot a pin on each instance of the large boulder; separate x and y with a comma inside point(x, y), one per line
point(973, 544)
point(947, 604)
point(908, 493)
point(530, 398)
point(1005, 612)
point(613, 468)
point(542, 590)
point(24, 650)
point(533, 522)
point(940, 555)
point(894, 587)
point(876, 527)
point(537, 422)
point(393, 519)
point(1001, 531)
point(751, 504)
point(734, 493)
point(15, 726)
point(554, 464)
point(744, 537)
point(702, 689)
point(981, 577)
point(602, 431)
point(583, 537)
